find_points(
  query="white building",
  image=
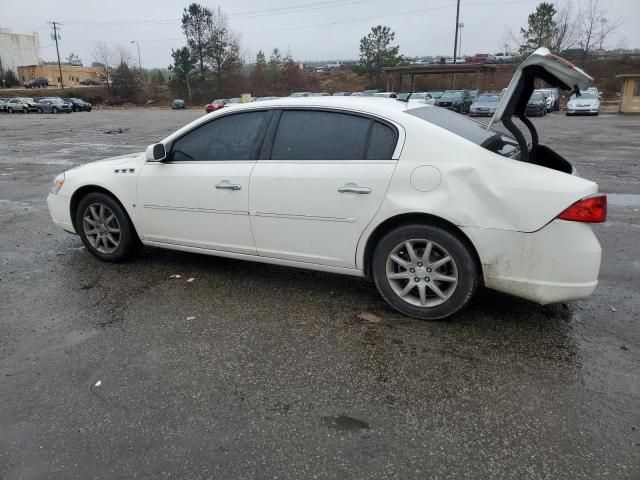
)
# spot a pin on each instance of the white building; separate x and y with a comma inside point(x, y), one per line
point(18, 49)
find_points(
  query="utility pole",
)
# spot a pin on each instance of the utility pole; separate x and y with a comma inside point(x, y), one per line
point(55, 37)
point(455, 42)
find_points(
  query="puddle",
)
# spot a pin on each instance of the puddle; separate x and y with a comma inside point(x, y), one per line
point(345, 423)
point(623, 199)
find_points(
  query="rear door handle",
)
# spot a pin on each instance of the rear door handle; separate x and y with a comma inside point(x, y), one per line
point(228, 186)
point(354, 189)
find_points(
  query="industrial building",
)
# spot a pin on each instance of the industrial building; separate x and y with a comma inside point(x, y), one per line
point(18, 49)
point(72, 75)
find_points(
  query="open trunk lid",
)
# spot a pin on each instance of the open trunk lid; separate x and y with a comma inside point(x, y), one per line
point(544, 65)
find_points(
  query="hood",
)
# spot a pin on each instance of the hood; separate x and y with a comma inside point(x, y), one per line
point(486, 104)
point(583, 101)
point(111, 161)
point(541, 64)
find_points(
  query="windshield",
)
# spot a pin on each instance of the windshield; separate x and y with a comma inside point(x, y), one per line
point(435, 94)
point(584, 96)
point(468, 129)
point(451, 95)
point(535, 96)
point(488, 98)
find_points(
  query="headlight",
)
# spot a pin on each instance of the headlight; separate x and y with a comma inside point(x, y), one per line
point(57, 183)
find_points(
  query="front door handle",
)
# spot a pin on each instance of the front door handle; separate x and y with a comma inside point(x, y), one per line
point(354, 189)
point(228, 186)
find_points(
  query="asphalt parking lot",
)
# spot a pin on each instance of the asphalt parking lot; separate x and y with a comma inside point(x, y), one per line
point(258, 371)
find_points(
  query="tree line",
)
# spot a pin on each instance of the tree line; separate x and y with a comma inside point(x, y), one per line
point(583, 27)
point(209, 65)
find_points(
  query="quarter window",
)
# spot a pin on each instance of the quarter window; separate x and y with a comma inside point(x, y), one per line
point(636, 89)
point(382, 142)
point(231, 137)
point(318, 135)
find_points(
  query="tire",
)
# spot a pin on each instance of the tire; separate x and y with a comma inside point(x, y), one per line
point(25, 111)
point(428, 306)
point(54, 110)
point(75, 109)
point(9, 110)
point(40, 110)
point(106, 244)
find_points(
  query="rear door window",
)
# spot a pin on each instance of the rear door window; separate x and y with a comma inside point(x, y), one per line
point(320, 135)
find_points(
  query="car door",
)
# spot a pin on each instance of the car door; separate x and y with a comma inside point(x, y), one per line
point(323, 177)
point(199, 196)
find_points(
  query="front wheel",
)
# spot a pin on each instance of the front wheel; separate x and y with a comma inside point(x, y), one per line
point(54, 110)
point(424, 271)
point(40, 110)
point(105, 228)
point(9, 110)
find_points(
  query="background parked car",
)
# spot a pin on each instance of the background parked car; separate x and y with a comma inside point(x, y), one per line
point(387, 94)
point(485, 105)
point(3, 104)
point(215, 105)
point(300, 94)
point(90, 81)
point(536, 106)
point(178, 104)
point(457, 100)
point(53, 105)
point(342, 94)
point(21, 104)
point(40, 82)
point(586, 104)
point(78, 105)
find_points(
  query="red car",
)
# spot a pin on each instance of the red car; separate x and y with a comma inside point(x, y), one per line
point(215, 105)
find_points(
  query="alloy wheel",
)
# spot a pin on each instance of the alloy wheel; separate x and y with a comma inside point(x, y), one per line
point(422, 272)
point(101, 228)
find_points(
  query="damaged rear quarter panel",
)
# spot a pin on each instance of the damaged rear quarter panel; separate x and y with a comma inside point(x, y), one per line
point(478, 188)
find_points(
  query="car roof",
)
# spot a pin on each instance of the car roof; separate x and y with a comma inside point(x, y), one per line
point(374, 105)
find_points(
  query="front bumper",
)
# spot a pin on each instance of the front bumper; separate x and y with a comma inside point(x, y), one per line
point(557, 263)
point(60, 211)
point(581, 111)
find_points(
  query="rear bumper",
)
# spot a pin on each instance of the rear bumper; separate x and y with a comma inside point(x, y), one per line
point(59, 209)
point(557, 263)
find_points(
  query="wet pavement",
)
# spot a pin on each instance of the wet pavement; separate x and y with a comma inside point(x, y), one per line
point(258, 371)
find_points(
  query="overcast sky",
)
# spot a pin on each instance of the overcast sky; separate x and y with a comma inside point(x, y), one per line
point(308, 29)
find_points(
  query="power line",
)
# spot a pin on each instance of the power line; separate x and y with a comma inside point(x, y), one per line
point(246, 14)
point(397, 14)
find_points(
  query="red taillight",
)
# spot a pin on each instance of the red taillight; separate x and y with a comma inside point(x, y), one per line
point(590, 209)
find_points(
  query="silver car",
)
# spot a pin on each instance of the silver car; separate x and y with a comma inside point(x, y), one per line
point(53, 105)
point(485, 105)
point(587, 103)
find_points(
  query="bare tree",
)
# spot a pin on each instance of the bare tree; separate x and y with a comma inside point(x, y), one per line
point(122, 55)
point(565, 34)
point(223, 49)
point(594, 27)
point(104, 55)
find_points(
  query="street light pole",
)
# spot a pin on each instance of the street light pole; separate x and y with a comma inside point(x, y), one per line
point(138, 45)
point(460, 27)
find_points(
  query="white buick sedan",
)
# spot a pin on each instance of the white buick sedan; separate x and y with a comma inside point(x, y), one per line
point(426, 202)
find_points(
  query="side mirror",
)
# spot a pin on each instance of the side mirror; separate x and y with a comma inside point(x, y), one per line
point(156, 152)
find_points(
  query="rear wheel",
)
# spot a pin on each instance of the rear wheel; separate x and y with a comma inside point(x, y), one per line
point(54, 110)
point(9, 110)
point(105, 228)
point(424, 271)
point(40, 110)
